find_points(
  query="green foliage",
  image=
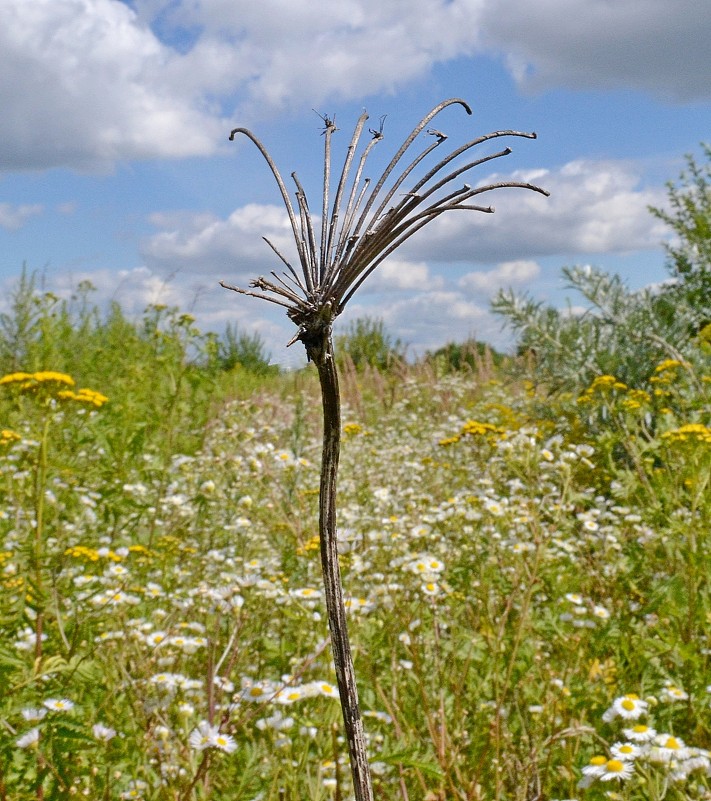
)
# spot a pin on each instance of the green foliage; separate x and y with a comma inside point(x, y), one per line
point(509, 576)
point(240, 349)
point(623, 333)
point(689, 216)
point(527, 567)
point(366, 343)
point(469, 355)
point(159, 369)
point(513, 563)
point(626, 333)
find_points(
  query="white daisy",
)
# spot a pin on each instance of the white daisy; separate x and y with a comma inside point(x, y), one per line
point(628, 707)
point(593, 770)
point(28, 739)
point(258, 692)
point(672, 693)
point(224, 742)
point(625, 750)
point(619, 769)
point(667, 748)
point(306, 593)
point(314, 688)
point(103, 733)
point(33, 714)
point(155, 638)
point(59, 705)
point(640, 733)
point(289, 695)
point(202, 737)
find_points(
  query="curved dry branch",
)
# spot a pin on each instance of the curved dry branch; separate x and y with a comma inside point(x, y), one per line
point(403, 148)
point(307, 233)
point(463, 148)
point(282, 188)
point(350, 153)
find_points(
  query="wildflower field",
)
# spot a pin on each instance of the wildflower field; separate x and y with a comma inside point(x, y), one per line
point(526, 571)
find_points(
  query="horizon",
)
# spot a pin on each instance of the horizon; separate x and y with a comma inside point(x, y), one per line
point(116, 166)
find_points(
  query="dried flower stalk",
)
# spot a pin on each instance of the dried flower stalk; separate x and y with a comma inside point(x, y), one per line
point(358, 231)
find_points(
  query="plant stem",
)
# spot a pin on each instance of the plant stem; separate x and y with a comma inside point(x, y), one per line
point(37, 554)
point(319, 347)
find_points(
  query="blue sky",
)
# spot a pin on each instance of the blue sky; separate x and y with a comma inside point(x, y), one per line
point(115, 164)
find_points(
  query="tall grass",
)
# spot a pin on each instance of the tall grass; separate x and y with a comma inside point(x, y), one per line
point(529, 576)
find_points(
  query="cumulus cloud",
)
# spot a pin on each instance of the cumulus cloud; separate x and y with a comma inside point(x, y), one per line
point(651, 45)
point(428, 319)
point(594, 207)
point(352, 48)
point(506, 274)
point(343, 49)
point(233, 246)
point(83, 84)
point(398, 275)
point(212, 306)
point(13, 217)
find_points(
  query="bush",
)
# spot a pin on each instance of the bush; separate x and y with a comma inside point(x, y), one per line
point(239, 349)
point(690, 218)
point(626, 333)
point(470, 355)
point(367, 344)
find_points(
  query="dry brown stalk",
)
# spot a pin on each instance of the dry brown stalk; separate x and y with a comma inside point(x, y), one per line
point(358, 231)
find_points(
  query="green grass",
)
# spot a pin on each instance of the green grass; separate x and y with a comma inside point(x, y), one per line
point(515, 563)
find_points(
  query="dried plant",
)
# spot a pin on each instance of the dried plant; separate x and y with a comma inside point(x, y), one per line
point(358, 230)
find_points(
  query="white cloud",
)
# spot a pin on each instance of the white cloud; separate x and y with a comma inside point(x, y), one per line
point(213, 307)
point(652, 45)
point(429, 319)
point(506, 274)
point(398, 275)
point(13, 217)
point(594, 207)
point(342, 49)
point(83, 84)
point(234, 247)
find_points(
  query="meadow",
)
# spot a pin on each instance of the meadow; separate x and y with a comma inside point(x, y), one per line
point(526, 568)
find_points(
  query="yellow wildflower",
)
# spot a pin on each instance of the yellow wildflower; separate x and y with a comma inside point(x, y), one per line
point(691, 432)
point(474, 428)
point(46, 376)
point(669, 364)
point(14, 378)
point(7, 436)
point(83, 396)
point(82, 552)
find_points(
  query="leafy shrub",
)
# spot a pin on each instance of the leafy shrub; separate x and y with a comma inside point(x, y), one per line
point(470, 355)
point(690, 218)
point(367, 343)
point(240, 349)
point(626, 333)
point(155, 368)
